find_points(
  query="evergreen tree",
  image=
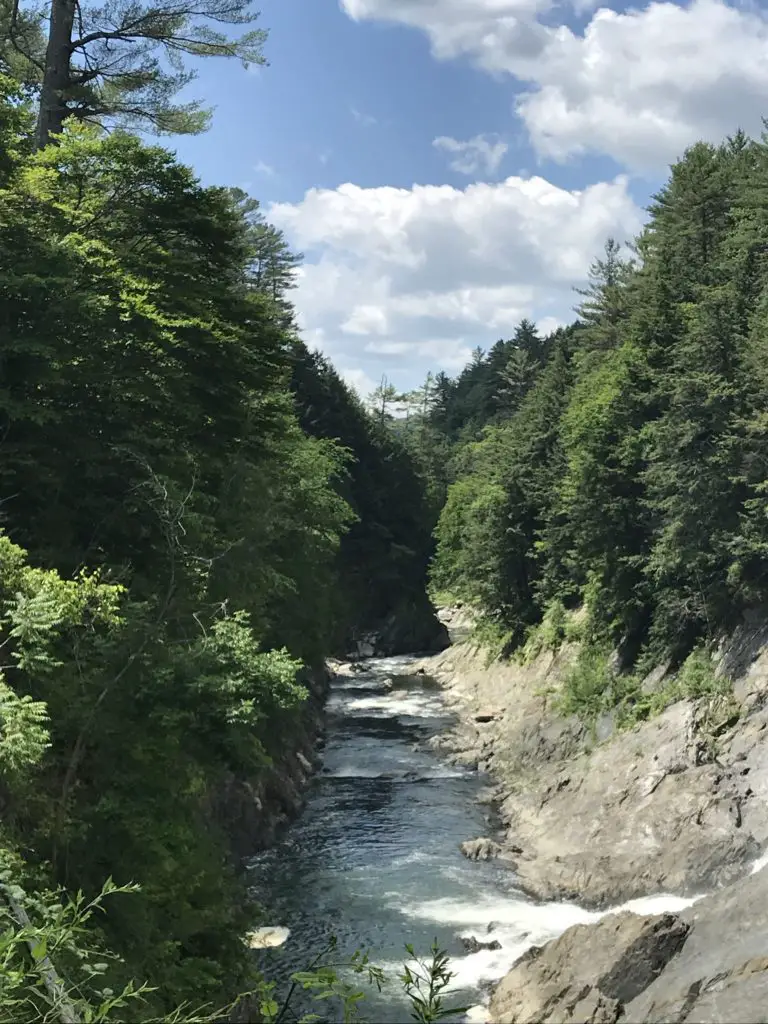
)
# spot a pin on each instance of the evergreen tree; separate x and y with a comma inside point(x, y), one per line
point(124, 61)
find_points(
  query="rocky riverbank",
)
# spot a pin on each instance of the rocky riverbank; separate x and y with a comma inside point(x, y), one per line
point(601, 817)
point(253, 813)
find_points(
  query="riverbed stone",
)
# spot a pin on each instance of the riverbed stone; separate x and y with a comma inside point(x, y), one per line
point(481, 848)
point(473, 945)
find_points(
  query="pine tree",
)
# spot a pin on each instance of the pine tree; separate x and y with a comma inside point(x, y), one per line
point(604, 308)
point(106, 64)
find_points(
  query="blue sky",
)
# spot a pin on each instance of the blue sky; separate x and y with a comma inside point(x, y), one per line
point(553, 123)
point(351, 101)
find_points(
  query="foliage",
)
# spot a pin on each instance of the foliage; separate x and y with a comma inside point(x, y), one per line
point(594, 686)
point(425, 983)
point(549, 634)
point(156, 431)
point(124, 61)
point(589, 687)
point(48, 933)
point(54, 968)
point(630, 478)
point(382, 557)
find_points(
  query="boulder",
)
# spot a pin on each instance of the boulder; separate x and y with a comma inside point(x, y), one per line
point(707, 964)
point(721, 974)
point(481, 848)
point(473, 945)
point(590, 972)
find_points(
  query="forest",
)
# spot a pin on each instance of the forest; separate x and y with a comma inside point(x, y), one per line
point(197, 511)
point(607, 483)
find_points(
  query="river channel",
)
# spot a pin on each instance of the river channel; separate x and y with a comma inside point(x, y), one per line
point(375, 859)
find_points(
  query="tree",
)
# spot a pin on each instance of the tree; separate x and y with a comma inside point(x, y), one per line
point(151, 435)
point(516, 377)
point(604, 308)
point(22, 45)
point(380, 400)
point(124, 62)
point(382, 558)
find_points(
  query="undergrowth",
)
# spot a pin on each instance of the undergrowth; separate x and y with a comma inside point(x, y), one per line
point(558, 626)
point(593, 687)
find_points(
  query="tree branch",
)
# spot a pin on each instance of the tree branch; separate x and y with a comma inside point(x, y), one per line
point(14, 41)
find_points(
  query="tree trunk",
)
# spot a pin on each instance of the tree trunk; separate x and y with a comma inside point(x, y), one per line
point(56, 79)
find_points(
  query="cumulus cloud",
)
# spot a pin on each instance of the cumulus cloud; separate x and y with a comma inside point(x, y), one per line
point(481, 155)
point(416, 278)
point(640, 85)
point(488, 30)
point(359, 381)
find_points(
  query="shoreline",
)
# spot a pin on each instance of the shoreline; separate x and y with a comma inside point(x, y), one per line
point(604, 820)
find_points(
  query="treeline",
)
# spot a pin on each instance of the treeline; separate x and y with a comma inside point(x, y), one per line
point(196, 511)
point(621, 464)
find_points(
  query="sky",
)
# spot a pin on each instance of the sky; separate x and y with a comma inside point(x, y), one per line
point(449, 167)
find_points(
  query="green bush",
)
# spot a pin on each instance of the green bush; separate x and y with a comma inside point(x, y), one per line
point(588, 686)
point(592, 687)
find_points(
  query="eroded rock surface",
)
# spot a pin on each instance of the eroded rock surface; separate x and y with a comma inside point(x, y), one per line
point(606, 816)
point(603, 816)
point(705, 965)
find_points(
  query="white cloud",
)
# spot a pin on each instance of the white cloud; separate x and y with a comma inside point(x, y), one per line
point(485, 29)
point(481, 154)
point(643, 85)
point(358, 380)
point(416, 278)
point(264, 168)
point(639, 85)
point(366, 320)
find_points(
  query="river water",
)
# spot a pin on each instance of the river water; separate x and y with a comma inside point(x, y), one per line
point(375, 860)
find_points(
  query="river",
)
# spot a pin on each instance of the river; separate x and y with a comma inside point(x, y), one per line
point(375, 858)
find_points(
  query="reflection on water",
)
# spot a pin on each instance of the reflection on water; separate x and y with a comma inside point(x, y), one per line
point(374, 859)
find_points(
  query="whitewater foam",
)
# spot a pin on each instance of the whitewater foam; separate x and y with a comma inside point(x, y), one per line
point(398, 704)
point(517, 925)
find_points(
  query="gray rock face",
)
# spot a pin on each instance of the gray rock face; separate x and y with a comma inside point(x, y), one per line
point(721, 974)
point(411, 628)
point(603, 816)
point(706, 965)
point(590, 972)
point(612, 816)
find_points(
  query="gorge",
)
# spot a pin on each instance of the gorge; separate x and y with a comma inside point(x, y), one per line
point(375, 857)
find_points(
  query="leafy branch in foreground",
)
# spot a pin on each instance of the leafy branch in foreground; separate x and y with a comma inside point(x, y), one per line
point(435, 977)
